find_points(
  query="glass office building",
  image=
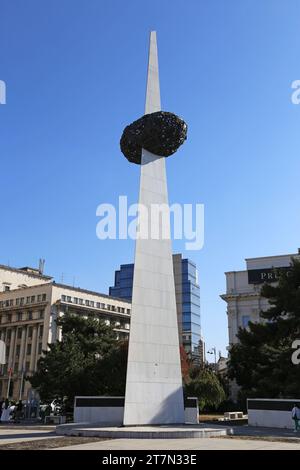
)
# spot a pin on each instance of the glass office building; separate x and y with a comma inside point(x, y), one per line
point(191, 326)
point(123, 282)
point(187, 292)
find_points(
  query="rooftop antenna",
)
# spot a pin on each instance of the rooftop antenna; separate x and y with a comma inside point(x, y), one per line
point(41, 265)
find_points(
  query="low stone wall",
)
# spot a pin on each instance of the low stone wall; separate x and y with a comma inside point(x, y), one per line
point(110, 410)
point(272, 413)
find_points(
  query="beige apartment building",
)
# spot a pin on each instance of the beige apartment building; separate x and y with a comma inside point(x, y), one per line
point(29, 305)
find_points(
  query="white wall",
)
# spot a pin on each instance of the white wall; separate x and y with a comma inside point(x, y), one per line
point(271, 418)
point(113, 415)
point(103, 415)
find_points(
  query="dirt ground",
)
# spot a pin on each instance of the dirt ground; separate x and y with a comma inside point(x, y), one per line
point(43, 444)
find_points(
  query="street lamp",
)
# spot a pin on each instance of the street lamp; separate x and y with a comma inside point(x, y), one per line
point(213, 351)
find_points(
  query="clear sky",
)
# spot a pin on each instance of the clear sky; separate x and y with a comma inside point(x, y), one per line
point(75, 72)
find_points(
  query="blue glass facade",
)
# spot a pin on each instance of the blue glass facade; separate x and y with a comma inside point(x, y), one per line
point(123, 282)
point(191, 326)
point(190, 294)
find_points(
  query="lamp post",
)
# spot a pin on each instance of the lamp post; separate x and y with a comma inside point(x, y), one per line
point(214, 352)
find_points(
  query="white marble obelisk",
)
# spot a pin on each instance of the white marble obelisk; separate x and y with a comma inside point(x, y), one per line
point(154, 384)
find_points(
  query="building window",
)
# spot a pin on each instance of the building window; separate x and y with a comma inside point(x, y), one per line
point(32, 299)
point(16, 367)
point(21, 300)
point(39, 298)
point(27, 365)
point(75, 300)
point(18, 350)
point(41, 331)
point(27, 300)
point(44, 297)
point(87, 303)
point(30, 332)
point(11, 302)
point(29, 315)
point(28, 349)
point(245, 320)
point(6, 288)
point(41, 314)
point(17, 301)
point(92, 303)
point(63, 298)
point(69, 299)
point(20, 316)
point(40, 348)
point(128, 310)
point(80, 302)
point(19, 333)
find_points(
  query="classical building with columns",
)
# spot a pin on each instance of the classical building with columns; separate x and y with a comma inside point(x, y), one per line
point(243, 298)
point(29, 305)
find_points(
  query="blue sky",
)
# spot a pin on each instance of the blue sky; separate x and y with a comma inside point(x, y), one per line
point(75, 73)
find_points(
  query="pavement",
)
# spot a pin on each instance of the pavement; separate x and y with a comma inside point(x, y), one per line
point(244, 438)
point(213, 443)
point(260, 431)
point(12, 434)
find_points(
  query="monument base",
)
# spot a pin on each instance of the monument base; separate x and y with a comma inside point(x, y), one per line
point(142, 432)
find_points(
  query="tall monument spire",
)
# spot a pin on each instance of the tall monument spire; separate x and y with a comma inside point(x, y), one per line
point(154, 384)
point(152, 90)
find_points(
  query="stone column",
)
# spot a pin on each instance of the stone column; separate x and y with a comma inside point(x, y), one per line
point(3, 332)
point(33, 349)
point(11, 349)
point(22, 349)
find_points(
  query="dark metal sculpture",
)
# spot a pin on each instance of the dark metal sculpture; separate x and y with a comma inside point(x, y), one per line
point(160, 133)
